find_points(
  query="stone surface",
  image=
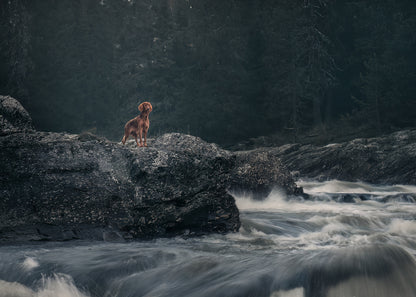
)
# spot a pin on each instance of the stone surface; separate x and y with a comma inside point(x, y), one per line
point(257, 172)
point(390, 159)
point(13, 117)
point(60, 186)
point(58, 179)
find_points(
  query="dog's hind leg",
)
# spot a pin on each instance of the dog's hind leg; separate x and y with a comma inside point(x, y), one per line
point(125, 137)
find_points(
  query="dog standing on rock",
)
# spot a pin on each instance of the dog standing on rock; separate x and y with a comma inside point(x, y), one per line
point(139, 125)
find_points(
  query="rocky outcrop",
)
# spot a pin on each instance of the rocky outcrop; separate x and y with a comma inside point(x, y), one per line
point(257, 172)
point(390, 159)
point(60, 186)
point(13, 117)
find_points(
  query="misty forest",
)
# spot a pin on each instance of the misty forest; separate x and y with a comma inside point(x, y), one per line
point(226, 71)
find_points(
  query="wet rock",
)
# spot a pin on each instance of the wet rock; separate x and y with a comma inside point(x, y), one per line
point(60, 186)
point(56, 179)
point(13, 117)
point(254, 172)
point(389, 159)
point(257, 172)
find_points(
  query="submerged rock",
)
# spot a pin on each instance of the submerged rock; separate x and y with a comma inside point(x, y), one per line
point(60, 186)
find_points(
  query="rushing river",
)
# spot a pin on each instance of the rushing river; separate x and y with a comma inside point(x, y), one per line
point(349, 239)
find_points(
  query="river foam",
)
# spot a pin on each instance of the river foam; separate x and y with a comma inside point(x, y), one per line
point(58, 285)
point(345, 239)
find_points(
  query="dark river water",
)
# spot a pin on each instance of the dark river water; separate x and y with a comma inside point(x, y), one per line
point(349, 239)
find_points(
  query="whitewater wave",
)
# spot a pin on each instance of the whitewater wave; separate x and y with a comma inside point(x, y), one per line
point(298, 292)
point(404, 227)
point(286, 247)
point(324, 197)
point(29, 263)
point(345, 187)
point(322, 222)
point(278, 201)
point(58, 285)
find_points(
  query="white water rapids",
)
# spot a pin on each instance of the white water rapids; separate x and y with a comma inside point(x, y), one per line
point(348, 239)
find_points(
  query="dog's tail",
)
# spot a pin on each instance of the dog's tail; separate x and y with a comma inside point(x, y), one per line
point(124, 139)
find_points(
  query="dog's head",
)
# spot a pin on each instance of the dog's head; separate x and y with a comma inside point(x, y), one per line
point(145, 107)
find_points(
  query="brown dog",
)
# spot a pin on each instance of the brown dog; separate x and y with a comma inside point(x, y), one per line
point(139, 125)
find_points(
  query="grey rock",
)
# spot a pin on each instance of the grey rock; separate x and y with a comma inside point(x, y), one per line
point(390, 159)
point(60, 186)
point(258, 171)
point(13, 117)
point(56, 179)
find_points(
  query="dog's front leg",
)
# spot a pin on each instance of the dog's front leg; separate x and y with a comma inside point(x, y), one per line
point(140, 137)
point(135, 137)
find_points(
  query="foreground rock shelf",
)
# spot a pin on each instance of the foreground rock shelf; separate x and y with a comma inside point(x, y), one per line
point(59, 186)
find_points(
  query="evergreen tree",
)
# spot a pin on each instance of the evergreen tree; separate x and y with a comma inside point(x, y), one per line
point(15, 46)
point(223, 70)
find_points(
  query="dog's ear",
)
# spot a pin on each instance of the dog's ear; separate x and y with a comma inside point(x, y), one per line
point(141, 106)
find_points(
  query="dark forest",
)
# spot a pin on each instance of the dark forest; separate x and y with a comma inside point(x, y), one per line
point(227, 71)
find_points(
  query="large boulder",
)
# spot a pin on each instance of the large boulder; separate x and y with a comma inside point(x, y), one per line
point(13, 117)
point(60, 186)
point(257, 172)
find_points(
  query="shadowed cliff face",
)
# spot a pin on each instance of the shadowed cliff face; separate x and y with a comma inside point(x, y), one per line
point(59, 186)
